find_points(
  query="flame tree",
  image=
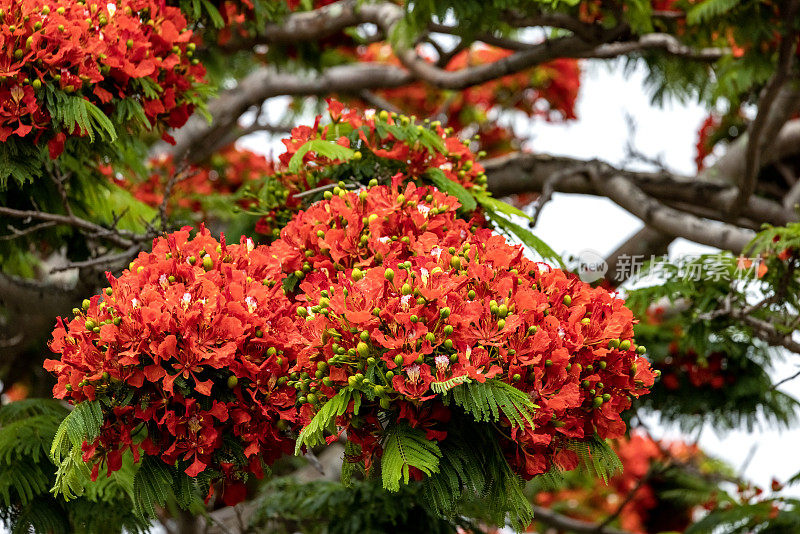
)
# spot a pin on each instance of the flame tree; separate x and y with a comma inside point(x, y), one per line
point(192, 332)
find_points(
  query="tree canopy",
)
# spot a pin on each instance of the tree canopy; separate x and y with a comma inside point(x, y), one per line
point(364, 333)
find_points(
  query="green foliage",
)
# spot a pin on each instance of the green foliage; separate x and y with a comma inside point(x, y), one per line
point(474, 479)
point(447, 385)
point(485, 401)
point(27, 429)
point(327, 149)
point(403, 448)
point(597, 458)
point(81, 424)
point(324, 420)
point(324, 507)
point(500, 214)
point(72, 113)
point(709, 9)
point(770, 516)
point(452, 188)
point(692, 295)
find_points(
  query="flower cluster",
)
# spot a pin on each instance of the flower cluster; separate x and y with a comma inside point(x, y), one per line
point(403, 301)
point(186, 351)
point(386, 136)
point(549, 90)
point(378, 146)
point(134, 50)
point(225, 173)
point(645, 510)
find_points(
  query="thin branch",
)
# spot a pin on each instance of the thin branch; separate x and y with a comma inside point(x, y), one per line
point(377, 101)
point(121, 238)
point(628, 498)
point(767, 118)
point(550, 186)
point(783, 381)
point(104, 261)
point(562, 522)
point(17, 233)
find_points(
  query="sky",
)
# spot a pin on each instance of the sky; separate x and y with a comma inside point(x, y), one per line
point(575, 223)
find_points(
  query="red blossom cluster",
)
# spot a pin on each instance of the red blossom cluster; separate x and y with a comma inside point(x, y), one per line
point(102, 52)
point(223, 174)
point(379, 142)
point(376, 136)
point(708, 371)
point(549, 90)
point(186, 351)
point(644, 510)
point(403, 301)
point(384, 291)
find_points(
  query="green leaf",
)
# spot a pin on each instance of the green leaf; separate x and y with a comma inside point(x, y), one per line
point(213, 14)
point(450, 187)
point(82, 424)
point(485, 401)
point(447, 385)
point(597, 457)
point(493, 205)
point(528, 239)
point(709, 9)
point(405, 447)
point(325, 419)
point(327, 149)
point(151, 485)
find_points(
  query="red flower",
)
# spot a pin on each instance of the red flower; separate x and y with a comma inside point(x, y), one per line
point(194, 337)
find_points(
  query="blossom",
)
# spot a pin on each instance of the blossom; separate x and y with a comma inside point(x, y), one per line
point(193, 342)
point(103, 53)
point(444, 300)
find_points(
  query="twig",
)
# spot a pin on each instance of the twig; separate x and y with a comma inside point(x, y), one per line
point(783, 381)
point(377, 101)
point(628, 498)
point(756, 140)
point(549, 188)
point(105, 260)
point(182, 172)
point(569, 524)
point(17, 233)
point(122, 238)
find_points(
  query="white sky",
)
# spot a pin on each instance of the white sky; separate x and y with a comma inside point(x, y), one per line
point(573, 223)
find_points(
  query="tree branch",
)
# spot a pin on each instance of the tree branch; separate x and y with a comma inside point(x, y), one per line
point(670, 221)
point(523, 172)
point(774, 108)
point(118, 237)
point(562, 522)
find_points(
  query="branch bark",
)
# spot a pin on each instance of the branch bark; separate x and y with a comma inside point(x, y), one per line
point(671, 221)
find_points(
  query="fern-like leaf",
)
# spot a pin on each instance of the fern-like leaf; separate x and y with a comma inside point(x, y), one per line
point(447, 385)
point(325, 419)
point(151, 486)
point(405, 447)
point(597, 457)
point(485, 401)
